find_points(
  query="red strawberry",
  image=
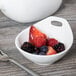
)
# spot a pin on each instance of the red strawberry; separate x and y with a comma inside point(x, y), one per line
point(51, 51)
point(51, 42)
point(36, 37)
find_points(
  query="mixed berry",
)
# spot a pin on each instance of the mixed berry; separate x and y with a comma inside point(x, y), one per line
point(40, 44)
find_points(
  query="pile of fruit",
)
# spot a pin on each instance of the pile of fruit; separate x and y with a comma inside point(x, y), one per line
point(40, 44)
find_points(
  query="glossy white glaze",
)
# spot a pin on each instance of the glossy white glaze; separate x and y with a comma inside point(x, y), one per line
point(29, 10)
point(62, 34)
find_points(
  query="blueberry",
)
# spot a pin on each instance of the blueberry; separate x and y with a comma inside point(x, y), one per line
point(42, 53)
point(44, 49)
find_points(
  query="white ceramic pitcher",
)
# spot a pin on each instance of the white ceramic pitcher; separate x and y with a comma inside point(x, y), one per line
point(29, 10)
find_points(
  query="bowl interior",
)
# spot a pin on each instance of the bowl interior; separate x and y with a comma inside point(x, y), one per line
point(64, 36)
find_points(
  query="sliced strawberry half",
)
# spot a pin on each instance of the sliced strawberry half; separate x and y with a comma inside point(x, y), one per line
point(51, 51)
point(36, 37)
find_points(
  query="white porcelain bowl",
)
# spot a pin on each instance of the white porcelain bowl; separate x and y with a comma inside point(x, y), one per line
point(63, 34)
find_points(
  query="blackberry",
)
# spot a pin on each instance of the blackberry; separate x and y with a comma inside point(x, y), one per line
point(28, 47)
point(36, 51)
point(59, 47)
